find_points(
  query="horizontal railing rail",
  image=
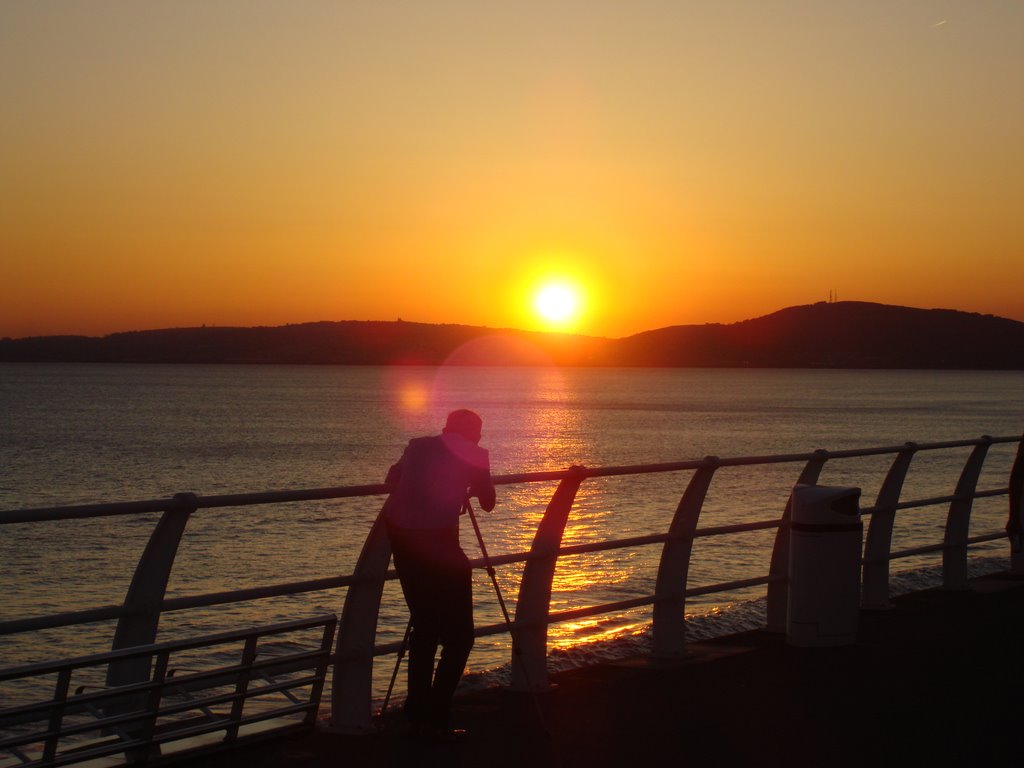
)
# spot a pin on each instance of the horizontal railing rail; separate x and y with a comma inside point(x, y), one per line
point(71, 512)
point(356, 645)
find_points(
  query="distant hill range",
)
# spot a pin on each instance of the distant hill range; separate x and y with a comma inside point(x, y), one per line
point(846, 334)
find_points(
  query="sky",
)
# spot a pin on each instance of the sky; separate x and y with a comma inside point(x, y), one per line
point(652, 163)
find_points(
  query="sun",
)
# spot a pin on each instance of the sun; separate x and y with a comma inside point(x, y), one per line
point(557, 303)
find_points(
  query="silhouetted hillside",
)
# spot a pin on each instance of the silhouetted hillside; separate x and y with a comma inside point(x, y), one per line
point(848, 334)
point(339, 343)
point(839, 335)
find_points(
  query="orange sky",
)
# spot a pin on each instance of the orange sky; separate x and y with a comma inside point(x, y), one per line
point(259, 163)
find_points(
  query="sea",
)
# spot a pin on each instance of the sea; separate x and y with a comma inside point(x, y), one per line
point(84, 433)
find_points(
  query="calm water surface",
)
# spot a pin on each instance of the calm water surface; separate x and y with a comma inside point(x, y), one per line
point(74, 434)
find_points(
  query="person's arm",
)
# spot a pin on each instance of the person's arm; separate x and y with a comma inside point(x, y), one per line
point(483, 488)
point(394, 473)
point(484, 491)
point(488, 498)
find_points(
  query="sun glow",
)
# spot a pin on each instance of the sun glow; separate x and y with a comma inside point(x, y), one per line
point(557, 303)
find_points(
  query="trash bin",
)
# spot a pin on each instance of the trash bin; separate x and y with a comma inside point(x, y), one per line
point(826, 536)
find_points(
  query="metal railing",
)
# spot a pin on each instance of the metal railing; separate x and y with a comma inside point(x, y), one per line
point(163, 713)
point(356, 643)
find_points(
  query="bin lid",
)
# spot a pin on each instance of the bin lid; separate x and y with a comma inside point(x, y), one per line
point(825, 505)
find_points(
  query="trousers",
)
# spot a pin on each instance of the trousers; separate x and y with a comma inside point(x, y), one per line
point(437, 584)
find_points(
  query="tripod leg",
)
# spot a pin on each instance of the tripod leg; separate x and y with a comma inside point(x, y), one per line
point(504, 610)
point(398, 663)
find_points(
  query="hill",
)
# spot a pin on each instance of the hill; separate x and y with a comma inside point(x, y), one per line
point(824, 335)
point(845, 334)
point(332, 343)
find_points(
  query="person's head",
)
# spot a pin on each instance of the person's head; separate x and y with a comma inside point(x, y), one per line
point(465, 423)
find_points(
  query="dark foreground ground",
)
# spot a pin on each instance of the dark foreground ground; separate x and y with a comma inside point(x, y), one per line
point(935, 681)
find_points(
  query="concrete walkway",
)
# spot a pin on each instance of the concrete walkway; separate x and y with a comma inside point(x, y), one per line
point(936, 681)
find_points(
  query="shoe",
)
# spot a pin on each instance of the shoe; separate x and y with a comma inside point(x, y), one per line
point(414, 713)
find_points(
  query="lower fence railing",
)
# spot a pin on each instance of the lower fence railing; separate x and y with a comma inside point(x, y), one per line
point(166, 713)
point(130, 714)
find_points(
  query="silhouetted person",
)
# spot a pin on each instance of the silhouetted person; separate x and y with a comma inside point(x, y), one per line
point(430, 484)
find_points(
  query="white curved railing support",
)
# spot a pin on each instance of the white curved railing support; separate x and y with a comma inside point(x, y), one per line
point(140, 618)
point(958, 520)
point(669, 617)
point(530, 653)
point(351, 690)
point(778, 572)
point(1015, 523)
point(875, 589)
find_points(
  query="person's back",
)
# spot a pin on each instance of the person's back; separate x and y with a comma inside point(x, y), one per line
point(432, 478)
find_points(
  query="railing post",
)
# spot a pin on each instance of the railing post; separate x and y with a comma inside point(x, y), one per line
point(529, 663)
point(778, 574)
point(1015, 523)
point(241, 688)
point(352, 687)
point(669, 619)
point(958, 520)
point(322, 665)
point(142, 754)
point(57, 706)
point(875, 592)
point(140, 618)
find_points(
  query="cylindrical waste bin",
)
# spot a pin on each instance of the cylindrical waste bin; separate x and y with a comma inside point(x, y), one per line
point(826, 536)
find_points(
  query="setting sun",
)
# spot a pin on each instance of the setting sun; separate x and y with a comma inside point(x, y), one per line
point(557, 303)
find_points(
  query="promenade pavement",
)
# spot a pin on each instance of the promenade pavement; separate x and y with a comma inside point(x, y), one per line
point(934, 681)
